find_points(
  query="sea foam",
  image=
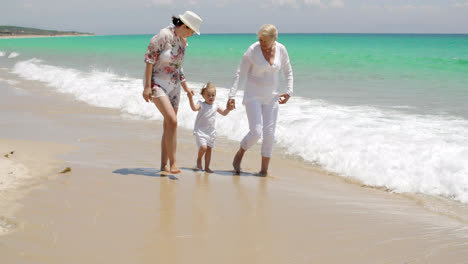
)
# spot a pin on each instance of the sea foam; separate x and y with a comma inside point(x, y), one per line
point(13, 55)
point(405, 153)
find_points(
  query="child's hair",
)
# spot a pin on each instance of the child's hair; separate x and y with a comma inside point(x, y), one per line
point(209, 85)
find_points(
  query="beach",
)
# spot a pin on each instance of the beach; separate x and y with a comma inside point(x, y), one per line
point(115, 206)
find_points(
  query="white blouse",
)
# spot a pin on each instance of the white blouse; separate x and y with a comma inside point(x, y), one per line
point(261, 79)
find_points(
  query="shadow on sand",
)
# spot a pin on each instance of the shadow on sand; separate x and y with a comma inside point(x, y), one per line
point(227, 173)
point(152, 172)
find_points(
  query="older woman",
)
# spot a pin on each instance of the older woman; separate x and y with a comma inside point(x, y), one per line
point(259, 69)
point(163, 77)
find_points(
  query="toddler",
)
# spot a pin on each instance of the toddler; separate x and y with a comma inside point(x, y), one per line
point(205, 124)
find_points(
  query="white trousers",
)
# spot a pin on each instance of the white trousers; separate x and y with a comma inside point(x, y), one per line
point(262, 118)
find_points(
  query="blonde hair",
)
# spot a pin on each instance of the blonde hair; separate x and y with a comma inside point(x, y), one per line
point(209, 85)
point(268, 30)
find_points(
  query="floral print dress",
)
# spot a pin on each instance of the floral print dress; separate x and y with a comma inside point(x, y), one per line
point(166, 52)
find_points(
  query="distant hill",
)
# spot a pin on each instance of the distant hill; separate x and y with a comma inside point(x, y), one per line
point(15, 31)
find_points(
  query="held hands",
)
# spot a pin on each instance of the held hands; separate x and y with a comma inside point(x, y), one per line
point(231, 104)
point(190, 92)
point(147, 94)
point(284, 98)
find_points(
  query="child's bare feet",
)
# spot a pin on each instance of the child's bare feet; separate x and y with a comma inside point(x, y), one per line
point(208, 170)
point(263, 173)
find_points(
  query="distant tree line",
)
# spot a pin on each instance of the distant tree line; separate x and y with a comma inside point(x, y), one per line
point(13, 30)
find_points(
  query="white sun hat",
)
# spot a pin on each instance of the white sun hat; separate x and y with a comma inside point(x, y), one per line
point(191, 20)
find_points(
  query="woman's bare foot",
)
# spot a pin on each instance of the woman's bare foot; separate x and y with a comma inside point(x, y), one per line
point(237, 160)
point(174, 169)
point(208, 170)
point(236, 164)
point(264, 168)
point(164, 168)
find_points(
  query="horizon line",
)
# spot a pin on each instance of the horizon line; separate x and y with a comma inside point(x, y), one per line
point(250, 33)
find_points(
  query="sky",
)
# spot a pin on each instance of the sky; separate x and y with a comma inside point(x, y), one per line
point(104, 17)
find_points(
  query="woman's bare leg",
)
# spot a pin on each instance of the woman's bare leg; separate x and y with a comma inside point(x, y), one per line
point(168, 144)
point(164, 156)
point(174, 140)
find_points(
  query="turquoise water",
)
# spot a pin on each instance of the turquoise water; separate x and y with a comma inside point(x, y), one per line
point(390, 110)
point(426, 73)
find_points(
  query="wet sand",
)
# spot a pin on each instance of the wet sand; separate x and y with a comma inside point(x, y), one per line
point(24, 167)
point(116, 207)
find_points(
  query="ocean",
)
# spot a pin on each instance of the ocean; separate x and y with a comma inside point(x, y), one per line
point(389, 110)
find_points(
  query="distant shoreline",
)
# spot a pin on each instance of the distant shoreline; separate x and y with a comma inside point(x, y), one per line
point(42, 36)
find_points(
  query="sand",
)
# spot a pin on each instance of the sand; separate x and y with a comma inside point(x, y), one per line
point(116, 207)
point(24, 165)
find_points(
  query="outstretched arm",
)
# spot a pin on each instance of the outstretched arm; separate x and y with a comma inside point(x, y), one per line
point(224, 112)
point(195, 107)
point(186, 88)
point(240, 75)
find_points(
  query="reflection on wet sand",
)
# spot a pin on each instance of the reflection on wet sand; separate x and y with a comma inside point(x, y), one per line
point(254, 238)
point(162, 243)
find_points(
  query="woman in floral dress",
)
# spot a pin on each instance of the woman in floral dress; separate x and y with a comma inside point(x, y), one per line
point(163, 77)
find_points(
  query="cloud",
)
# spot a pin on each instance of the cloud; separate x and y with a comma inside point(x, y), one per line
point(336, 4)
point(461, 4)
point(325, 3)
point(222, 3)
point(27, 5)
point(313, 2)
point(192, 3)
point(283, 3)
point(400, 8)
point(302, 3)
point(410, 8)
point(160, 3)
point(370, 7)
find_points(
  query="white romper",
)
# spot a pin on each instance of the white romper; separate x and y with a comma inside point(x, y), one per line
point(205, 124)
